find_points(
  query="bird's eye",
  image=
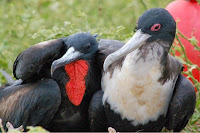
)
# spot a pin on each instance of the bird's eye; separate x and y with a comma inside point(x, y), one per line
point(87, 46)
point(156, 27)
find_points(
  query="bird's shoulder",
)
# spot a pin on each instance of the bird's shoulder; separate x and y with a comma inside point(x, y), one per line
point(106, 47)
point(37, 59)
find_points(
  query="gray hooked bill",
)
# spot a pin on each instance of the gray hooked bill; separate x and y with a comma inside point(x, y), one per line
point(70, 56)
point(138, 39)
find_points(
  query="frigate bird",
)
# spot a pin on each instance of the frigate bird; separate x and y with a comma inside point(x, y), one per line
point(142, 85)
point(59, 103)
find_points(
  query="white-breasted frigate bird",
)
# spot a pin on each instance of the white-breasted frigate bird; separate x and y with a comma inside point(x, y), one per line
point(142, 85)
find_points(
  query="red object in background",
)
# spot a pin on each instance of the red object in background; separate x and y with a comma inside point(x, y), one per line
point(188, 12)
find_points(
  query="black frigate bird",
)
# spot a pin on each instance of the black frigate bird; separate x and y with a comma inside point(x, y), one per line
point(60, 103)
point(142, 85)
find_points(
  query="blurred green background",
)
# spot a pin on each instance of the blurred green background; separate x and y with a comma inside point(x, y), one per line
point(24, 23)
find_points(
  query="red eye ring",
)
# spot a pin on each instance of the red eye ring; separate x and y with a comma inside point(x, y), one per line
point(156, 27)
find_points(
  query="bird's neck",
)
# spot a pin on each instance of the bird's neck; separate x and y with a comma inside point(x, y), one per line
point(76, 86)
point(147, 53)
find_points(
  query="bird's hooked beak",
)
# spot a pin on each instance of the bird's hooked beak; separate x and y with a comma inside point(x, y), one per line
point(70, 56)
point(138, 39)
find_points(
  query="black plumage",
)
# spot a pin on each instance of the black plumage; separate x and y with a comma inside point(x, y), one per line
point(49, 60)
point(35, 62)
point(30, 104)
point(182, 105)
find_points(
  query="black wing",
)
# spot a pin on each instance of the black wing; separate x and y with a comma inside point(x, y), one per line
point(106, 47)
point(182, 104)
point(30, 104)
point(97, 118)
point(35, 62)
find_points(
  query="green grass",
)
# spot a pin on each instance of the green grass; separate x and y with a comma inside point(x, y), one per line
point(26, 22)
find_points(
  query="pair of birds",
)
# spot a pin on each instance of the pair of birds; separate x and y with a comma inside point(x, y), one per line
point(76, 84)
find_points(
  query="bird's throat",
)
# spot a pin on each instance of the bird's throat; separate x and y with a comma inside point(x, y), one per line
point(76, 87)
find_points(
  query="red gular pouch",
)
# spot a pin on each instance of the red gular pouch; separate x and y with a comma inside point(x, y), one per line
point(76, 87)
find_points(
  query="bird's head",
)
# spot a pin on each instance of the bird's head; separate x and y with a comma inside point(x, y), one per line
point(159, 24)
point(154, 24)
point(76, 61)
point(80, 46)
